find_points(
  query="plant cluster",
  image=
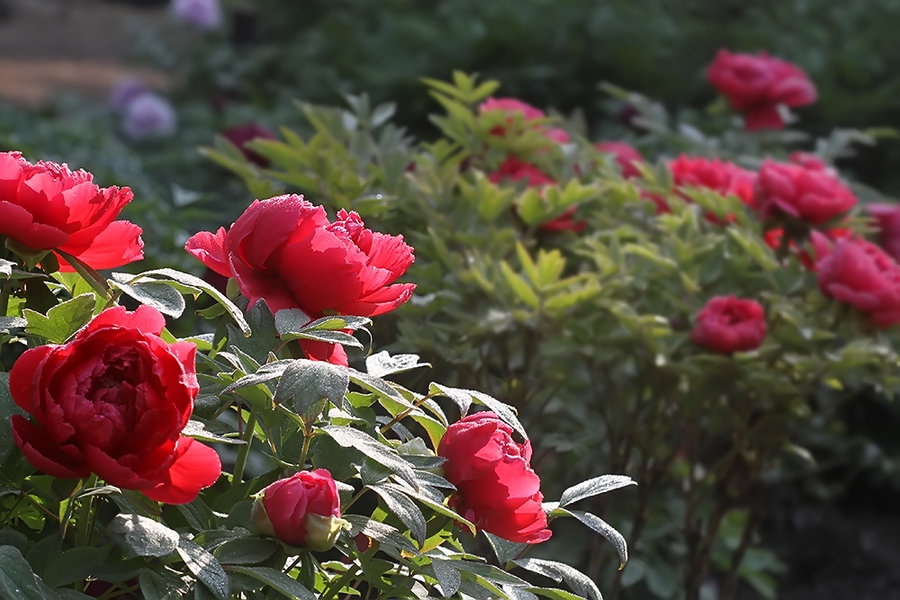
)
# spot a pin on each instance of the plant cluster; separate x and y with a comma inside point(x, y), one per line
point(689, 322)
point(244, 460)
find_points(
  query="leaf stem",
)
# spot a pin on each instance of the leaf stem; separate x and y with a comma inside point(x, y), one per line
point(244, 451)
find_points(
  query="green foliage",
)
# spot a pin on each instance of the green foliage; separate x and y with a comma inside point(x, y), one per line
point(587, 335)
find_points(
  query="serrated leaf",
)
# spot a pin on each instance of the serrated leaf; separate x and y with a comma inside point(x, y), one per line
point(62, 320)
point(372, 448)
point(558, 571)
point(205, 567)
point(277, 580)
point(404, 509)
point(594, 487)
point(144, 536)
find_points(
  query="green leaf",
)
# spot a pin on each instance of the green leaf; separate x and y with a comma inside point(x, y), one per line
point(276, 580)
point(372, 448)
point(558, 571)
point(447, 575)
point(309, 384)
point(195, 282)
point(594, 487)
point(380, 532)
point(74, 564)
point(62, 320)
point(198, 431)
point(156, 586)
point(382, 363)
point(144, 536)
point(158, 294)
point(519, 286)
point(9, 323)
point(246, 550)
point(404, 508)
point(604, 529)
point(290, 320)
point(17, 580)
point(205, 567)
point(267, 372)
point(504, 550)
point(8, 408)
point(434, 505)
point(463, 397)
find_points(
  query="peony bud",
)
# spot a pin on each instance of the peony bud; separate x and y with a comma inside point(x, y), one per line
point(301, 510)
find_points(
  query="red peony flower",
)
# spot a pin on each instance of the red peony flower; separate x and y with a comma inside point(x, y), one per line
point(820, 242)
point(728, 324)
point(285, 251)
point(114, 401)
point(496, 487)
point(863, 275)
point(302, 510)
point(811, 162)
point(626, 156)
point(723, 177)
point(528, 112)
point(813, 196)
point(756, 85)
point(45, 206)
point(239, 135)
point(514, 169)
point(887, 219)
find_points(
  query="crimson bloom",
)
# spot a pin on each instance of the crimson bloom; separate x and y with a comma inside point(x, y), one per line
point(863, 275)
point(285, 251)
point(302, 510)
point(723, 177)
point(729, 324)
point(811, 195)
point(496, 488)
point(46, 206)
point(114, 401)
point(756, 85)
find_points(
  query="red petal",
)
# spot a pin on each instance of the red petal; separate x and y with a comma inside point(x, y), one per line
point(119, 244)
point(196, 466)
point(209, 249)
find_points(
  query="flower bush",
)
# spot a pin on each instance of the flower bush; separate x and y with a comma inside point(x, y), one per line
point(695, 333)
point(246, 458)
